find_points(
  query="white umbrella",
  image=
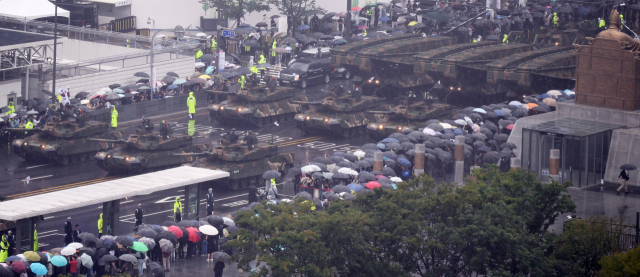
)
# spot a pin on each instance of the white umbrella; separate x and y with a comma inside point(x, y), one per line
point(148, 242)
point(32, 112)
point(86, 260)
point(570, 92)
point(515, 103)
point(460, 122)
point(199, 64)
point(446, 125)
point(327, 175)
point(479, 110)
point(555, 93)
point(359, 154)
point(68, 251)
point(429, 131)
point(75, 245)
point(12, 115)
point(208, 230)
point(395, 179)
point(84, 102)
point(468, 120)
point(309, 168)
point(348, 171)
point(105, 237)
point(201, 35)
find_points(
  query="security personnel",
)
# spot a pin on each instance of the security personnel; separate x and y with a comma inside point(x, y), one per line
point(555, 19)
point(210, 203)
point(128, 44)
point(273, 182)
point(364, 32)
point(242, 81)
point(191, 103)
point(114, 117)
point(68, 229)
point(198, 54)
point(254, 70)
point(35, 239)
point(139, 214)
point(11, 107)
point(273, 51)
point(621, 19)
point(177, 209)
point(59, 97)
point(12, 242)
point(4, 249)
point(214, 45)
point(100, 222)
point(600, 23)
point(247, 48)
point(262, 60)
point(28, 126)
point(505, 38)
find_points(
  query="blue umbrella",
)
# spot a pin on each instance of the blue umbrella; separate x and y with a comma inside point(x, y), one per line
point(387, 140)
point(170, 87)
point(58, 261)
point(208, 70)
point(457, 131)
point(543, 96)
point(355, 187)
point(179, 81)
point(381, 146)
point(132, 239)
point(117, 90)
point(404, 162)
point(484, 149)
point(38, 269)
point(12, 258)
point(303, 27)
point(499, 112)
point(383, 19)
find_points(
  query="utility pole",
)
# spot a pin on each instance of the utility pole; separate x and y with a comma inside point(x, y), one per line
point(347, 22)
point(55, 48)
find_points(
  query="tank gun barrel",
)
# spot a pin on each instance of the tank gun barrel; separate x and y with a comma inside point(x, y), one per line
point(108, 140)
point(23, 130)
point(190, 154)
point(382, 112)
point(312, 103)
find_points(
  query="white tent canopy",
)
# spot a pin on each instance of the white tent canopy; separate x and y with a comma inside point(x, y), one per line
point(30, 9)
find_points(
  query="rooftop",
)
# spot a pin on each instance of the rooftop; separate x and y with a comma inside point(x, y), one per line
point(575, 127)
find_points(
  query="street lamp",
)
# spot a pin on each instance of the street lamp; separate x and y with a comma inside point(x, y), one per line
point(178, 31)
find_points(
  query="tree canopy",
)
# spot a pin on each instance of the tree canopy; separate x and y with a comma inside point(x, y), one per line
point(237, 9)
point(496, 224)
point(294, 10)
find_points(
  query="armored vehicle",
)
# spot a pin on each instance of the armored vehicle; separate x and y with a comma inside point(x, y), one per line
point(259, 106)
point(65, 142)
point(405, 118)
point(147, 152)
point(244, 166)
point(342, 114)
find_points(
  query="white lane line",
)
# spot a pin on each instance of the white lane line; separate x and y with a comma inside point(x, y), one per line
point(126, 201)
point(237, 203)
point(48, 235)
point(41, 233)
point(35, 178)
point(36, 166)
point(49, 217)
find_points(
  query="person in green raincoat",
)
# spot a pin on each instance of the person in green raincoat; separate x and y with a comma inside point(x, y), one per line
point(114, 117)
point(35, 239)
point(191, 103)
point(177, 209)
point(100, 221)
point(4, 249)
point(11, 108)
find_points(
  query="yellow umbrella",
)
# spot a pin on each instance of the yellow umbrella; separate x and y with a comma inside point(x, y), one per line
point(413, 23)
point(205, 77)
point(32, 256)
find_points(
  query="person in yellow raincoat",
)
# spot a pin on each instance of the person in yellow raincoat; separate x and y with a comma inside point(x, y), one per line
point(191, 103)
point(35, 240)
point(242, 81)
point(114, 117)
point(100, 221)
point(177, 209)
point(11, 108)
point(4, 249)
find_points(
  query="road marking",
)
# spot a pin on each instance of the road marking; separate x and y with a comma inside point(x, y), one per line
point(126, 201)
point(322, 146)
point(304, 140)
point(237, 203)
point(36, 178)
point(49, 217)
point(36, 166)
point(48, 235)
point(42, 233)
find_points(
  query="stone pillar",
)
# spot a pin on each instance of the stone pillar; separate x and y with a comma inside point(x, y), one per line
point(554, 165)
point(458, 156)
point(516, 163)
point(418, 160)
point(110, 218)
point(378, 161)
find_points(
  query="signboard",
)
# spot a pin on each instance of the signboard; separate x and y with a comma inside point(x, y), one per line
point(123, 3)
point(220, 61)
point(228, 34)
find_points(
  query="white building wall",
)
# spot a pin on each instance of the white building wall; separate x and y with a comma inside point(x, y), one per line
point(9, 87)
point(78, 50)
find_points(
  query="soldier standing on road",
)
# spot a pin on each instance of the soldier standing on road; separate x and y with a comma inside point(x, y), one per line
point(191, 103)
point(139, 214)
point(100, 222)
point(114, 117)
point(248, 138)
point(232, 136)
point(76, 233)
point(11, 239)
point(177, 209)
point(210, 203)
point(68, 230)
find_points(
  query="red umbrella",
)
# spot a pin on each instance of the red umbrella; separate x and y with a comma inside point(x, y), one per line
point(510, 127)
point(194, 235)
point(18, 266)
point(380, 176)
point(373, 184)
point(175, 230)
point(355, 9)
point(363, 27)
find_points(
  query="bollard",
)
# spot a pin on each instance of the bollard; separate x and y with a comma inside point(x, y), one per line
point(458, 156)
point(418, 160)
point(516, 163)
point(554, 165)
point(378, 161)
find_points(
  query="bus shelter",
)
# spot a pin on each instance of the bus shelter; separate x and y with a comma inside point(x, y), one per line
point(28, 211)
point(583, 145)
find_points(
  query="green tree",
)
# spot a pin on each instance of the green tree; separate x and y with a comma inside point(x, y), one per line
point(294, 10)
point(621, 264)
point(237, 9)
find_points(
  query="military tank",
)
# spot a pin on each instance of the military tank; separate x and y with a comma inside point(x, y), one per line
point(143, 152)
point(405, 118)
point(243, 165)
point(343, 114)
point(258, 105)
point(64, 142)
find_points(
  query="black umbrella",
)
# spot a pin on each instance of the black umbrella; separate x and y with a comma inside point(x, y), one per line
point(322, 160)
point(294, 171)
point(508, 145)
point(366, 176)
point(340, 189)
point(340, 176)
point(262, 24)
point(628, 167)
point(501, 137)
point(81, 95)
point(184, 224)
point(317, 175)
point(114, 86)
point(275, 16)
point(215, 220)
point(124, 241)
point(207, 58)
point(491, 159)
point(168, 235)
point(271, 174)
point(141, 75)
point(304, 196)
point(251, 43)
point(328, 16)
point(109, 258)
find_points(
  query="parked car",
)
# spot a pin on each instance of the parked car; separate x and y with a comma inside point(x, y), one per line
point(306, 71)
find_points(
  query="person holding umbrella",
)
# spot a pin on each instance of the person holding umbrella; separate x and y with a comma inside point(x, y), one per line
point(625, 177)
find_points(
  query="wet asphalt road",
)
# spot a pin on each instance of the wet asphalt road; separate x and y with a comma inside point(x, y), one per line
point(158, 206)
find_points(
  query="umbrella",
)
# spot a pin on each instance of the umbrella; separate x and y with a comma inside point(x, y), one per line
point(271, 174)
point(149, 242)
point(38, 269)
point(139, 246)
point(366, 176)
point(19, 267)
point(220, 256)
point(404, 162)
point(58, 261)
point(114, 86)
point(129, 258)
point(208, 230)
point(492, 159)
point(194, 234)
point(14, 258)
point(372, 185)
point(501, 137)
point(304, 196)
point(340, 188)
point(310, 168)
point(108, 258)
point(147, 233)
point(124, 241)
point(141, 75)
point(86, 260)
point(32, 256)
point(302, 27)
point(68, 251)
point(628, 167)
point(166, 245)
point(215, 220)
point(348, 171)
